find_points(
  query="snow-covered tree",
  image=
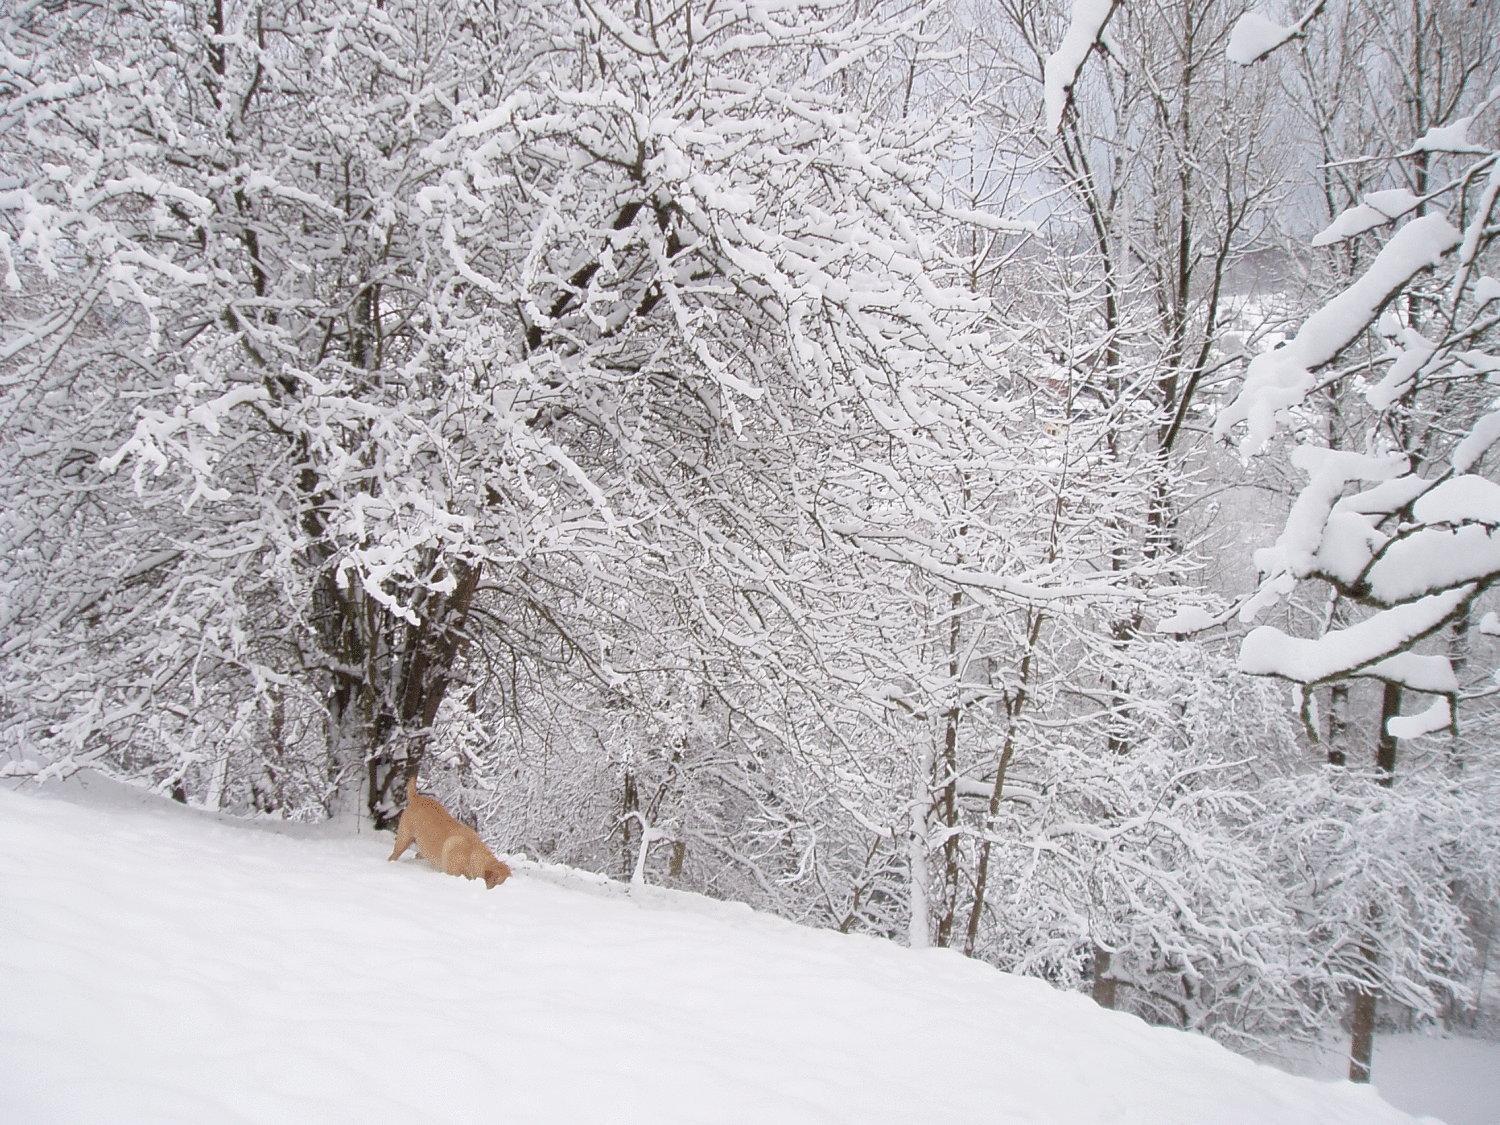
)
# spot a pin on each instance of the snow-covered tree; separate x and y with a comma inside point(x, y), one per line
point(1398, 513)
point(388, 307)
point(1159, 166)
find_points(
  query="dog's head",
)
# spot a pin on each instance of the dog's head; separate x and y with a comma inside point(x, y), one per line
point(494, 874)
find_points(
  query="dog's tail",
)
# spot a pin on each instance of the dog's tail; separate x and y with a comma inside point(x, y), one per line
point(411, 789)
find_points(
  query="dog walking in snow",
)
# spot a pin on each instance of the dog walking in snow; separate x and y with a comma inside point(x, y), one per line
point(443, 842)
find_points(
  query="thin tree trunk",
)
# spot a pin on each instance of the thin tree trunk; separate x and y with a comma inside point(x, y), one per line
point(1105, 988)
point(1385, 742)
point(630, 808)
point(1013, 709)
point(950, 774)
point(1338, 721)
point(919, 931)
point(1458, 654)
point(1367, 995)
point(1362, 1021)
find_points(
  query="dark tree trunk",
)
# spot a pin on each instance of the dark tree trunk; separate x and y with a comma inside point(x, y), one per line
point(1014, 705)
point(1367, 995)
point(949, 810)
point(1385, 742)
point(1362, 1022)
point(630, 825)
point(1105, 988)
point(407, 705)
point(1338, 721)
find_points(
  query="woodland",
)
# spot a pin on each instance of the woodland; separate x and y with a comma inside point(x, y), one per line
point(1009, 476)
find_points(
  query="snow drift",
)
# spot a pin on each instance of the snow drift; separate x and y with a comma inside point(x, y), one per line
point(162, 963)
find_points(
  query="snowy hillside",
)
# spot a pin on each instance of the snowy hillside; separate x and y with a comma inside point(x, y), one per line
point(162, 964)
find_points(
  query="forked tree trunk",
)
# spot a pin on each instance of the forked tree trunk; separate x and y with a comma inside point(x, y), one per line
point(421, 670)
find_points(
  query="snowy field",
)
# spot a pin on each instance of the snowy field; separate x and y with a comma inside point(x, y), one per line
point(1453, 1078)
point(162, 964)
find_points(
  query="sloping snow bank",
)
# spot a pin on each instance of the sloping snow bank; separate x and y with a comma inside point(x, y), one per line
point(1456, 1077)
point(162, 964)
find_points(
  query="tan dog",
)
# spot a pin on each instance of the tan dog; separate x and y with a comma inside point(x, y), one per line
point(444, 842)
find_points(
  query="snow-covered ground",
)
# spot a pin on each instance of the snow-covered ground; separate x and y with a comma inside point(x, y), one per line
point(159, 963)
point(1455, 1078)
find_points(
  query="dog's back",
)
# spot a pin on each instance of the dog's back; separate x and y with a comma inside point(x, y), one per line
point(444, 842)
